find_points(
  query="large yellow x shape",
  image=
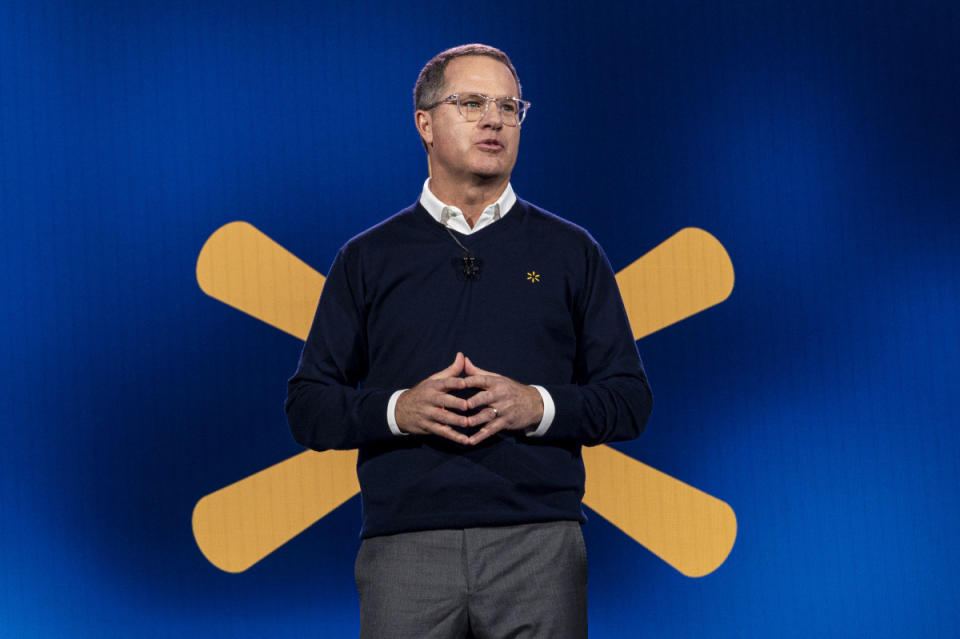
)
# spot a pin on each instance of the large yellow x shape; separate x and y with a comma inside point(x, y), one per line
point(240, 524)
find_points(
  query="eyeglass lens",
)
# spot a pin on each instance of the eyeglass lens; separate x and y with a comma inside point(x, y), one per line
point(474, 106)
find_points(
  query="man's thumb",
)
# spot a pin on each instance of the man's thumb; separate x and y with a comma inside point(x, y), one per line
point(453, 369)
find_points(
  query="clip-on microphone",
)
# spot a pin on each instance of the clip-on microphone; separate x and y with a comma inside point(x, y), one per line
point(468, 264)
point(471, 266)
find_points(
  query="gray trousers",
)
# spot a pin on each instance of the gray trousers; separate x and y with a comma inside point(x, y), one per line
point(518, 582)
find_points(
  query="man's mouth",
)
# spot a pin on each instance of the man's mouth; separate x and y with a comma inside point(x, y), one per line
point(490, 144)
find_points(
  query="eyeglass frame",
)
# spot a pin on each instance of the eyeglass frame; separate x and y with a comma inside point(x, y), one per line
point(455, 97)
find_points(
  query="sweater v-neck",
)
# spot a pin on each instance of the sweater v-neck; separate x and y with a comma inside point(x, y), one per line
point(505, 224)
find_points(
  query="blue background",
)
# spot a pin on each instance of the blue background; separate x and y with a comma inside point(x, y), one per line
point(818, 141)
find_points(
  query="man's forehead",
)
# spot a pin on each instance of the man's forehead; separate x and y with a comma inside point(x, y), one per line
point(479, 73)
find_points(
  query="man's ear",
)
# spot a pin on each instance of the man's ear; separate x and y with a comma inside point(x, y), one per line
point(424, 127)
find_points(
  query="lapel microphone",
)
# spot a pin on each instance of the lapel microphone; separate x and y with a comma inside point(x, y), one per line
point(471, 265)
point(468, 265)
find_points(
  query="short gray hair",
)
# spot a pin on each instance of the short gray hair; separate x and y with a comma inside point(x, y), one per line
point(432, 77)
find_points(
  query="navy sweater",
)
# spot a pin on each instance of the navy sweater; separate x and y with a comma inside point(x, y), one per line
point(395, 309)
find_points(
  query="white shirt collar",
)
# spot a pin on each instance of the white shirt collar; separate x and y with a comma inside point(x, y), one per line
point(452, 217)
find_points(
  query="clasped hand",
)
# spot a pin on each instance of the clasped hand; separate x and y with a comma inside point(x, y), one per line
point(505, 404)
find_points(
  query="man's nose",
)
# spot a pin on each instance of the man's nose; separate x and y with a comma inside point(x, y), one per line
point(492, 117)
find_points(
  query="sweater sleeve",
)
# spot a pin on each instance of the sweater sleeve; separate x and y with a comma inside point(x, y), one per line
point(327, 407)
point(610, 399)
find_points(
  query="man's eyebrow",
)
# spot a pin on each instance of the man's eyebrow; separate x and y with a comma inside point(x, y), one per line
point(468, 92)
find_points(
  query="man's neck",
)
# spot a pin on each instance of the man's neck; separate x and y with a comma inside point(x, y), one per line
point(471, 198)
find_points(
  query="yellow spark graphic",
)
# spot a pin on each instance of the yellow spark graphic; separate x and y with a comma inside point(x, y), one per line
point(240, 524)
point(533, 276)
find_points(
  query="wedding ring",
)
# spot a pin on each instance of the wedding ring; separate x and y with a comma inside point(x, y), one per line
point(496, 413)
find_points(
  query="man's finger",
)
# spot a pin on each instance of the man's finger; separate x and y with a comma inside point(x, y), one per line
point(442, 430)
point(480, 381)
point(473, 369)
point(484, 416)
point(448, 401)
point(483, 398)
point(449, 383)
point(445, 417)
point(452, 370)
point(490, 429)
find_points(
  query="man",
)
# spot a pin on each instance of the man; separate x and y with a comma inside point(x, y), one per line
point(471, 478)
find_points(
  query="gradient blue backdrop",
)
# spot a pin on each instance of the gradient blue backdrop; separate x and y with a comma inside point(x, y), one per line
point(818, 141)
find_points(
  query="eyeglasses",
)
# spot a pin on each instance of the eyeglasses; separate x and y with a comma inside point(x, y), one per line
point(474, 106)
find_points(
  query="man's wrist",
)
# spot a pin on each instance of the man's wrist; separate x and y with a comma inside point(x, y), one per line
point(549, 411)
point(392, 413)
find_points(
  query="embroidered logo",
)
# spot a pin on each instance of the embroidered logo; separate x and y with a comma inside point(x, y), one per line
point(533, 276)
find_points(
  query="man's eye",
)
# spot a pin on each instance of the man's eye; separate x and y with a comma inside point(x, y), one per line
point(509, 106)
point(473, 104)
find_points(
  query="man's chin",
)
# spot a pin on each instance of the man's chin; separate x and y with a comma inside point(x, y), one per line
point(491, 171)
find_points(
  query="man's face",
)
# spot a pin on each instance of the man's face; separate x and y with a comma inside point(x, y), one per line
point(462, 151)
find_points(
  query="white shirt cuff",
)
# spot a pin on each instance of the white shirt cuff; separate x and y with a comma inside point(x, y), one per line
point(549, 411)
point(391, 413)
